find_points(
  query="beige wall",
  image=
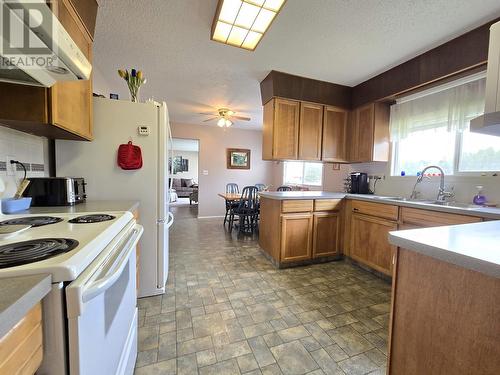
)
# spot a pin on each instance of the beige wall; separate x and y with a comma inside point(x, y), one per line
point(212, 158)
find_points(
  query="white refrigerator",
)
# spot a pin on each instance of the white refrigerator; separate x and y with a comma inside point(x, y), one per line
point(117, 122)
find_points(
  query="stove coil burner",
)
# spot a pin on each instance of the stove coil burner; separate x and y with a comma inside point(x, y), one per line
point(94, 218)
point(34, 221)
point(19, 253)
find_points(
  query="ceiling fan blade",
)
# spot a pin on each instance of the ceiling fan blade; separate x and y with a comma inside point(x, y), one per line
point(207, 113)
point(210, 119)
point(242, 118)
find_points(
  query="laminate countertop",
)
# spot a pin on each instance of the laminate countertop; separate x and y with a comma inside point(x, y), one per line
point(452, 207)
point(89, 206)
point(472, 246)
point(18, 295)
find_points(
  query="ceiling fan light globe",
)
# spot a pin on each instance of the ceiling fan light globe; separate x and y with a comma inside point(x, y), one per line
point(221, 122)
point(228, 123)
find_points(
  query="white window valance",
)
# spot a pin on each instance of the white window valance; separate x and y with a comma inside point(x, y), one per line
point(450, 106)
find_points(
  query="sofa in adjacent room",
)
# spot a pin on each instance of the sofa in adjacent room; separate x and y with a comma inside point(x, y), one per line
point(184, 186)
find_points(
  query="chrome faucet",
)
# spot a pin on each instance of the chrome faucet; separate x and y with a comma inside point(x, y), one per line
point(442, 193)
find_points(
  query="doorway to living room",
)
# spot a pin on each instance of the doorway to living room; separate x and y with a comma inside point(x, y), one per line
point(183, 170)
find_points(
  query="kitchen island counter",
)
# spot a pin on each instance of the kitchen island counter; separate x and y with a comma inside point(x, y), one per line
point(473, 246)
point(445, 293)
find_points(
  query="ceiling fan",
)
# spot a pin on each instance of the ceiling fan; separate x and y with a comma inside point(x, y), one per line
point(224, 117)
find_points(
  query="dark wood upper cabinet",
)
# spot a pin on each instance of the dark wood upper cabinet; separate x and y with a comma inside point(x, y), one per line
point(310, 131)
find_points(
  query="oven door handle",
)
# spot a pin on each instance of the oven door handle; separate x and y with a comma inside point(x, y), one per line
point(101, 285)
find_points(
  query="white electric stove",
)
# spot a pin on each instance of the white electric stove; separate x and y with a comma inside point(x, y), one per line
point(90, 316)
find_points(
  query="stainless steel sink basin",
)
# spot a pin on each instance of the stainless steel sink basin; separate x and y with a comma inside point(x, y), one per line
point(431, 202)
point(404, 199)
point(456, 204)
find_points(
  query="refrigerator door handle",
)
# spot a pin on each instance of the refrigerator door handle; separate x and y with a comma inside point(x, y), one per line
point(170, 219)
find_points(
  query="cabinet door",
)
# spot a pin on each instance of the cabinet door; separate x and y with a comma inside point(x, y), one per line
point(364, 129)
point(267, 130)
point(334, 134)
point(325, 234)
point(296, 242)
point(352, 137)
point(310, 130)
point(369, 242)
point(71, 102)
point(286, 129)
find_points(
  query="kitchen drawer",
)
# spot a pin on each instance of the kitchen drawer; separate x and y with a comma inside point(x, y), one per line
point(327, 204)
point(427, 218)
point(385, 211)
point(297, 205)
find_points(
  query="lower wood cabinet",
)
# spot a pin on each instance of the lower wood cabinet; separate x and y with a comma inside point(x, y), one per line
point(21, 349)
point(444, 319)
point(296, 236)
point(326, 228)
point(369, 242)
point(417, 218)
point(300, 230)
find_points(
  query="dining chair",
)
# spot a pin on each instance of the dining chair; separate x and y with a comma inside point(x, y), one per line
point(284, 188)
point(260, 187)
point(247, 210)
point(231, 188)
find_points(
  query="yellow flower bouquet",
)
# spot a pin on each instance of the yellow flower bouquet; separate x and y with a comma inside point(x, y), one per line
point(135, 79)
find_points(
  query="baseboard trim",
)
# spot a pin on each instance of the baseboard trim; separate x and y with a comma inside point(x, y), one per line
point(210, 217)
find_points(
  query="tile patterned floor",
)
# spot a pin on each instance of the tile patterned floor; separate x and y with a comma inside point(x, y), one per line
point(228, 311)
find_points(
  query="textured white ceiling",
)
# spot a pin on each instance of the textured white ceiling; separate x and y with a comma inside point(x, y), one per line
point(340, 41)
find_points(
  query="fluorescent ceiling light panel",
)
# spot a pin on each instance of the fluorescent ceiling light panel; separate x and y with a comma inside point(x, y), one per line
point(274, 5)
point(229, 10)
point(263, 21)
point(242, 23)
point(246, 15)
point(237, 36)
point(221, 32)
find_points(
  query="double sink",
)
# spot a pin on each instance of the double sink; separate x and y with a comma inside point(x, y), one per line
point(426, 202)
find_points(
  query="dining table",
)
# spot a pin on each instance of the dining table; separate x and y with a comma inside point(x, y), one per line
point(231, 197)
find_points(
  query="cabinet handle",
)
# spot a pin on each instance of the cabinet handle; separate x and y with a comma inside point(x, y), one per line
point(355, 209)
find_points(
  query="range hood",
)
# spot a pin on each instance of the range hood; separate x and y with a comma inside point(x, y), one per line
point(489, 123)
point(35, 48)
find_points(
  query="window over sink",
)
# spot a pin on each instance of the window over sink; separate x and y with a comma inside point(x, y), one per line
point(432, 128)
point(302, 173)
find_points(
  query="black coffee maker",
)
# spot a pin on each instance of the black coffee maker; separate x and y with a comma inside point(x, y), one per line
point(359, 183)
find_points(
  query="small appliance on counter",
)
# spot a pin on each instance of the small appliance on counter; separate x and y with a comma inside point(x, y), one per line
point(56, 191)
point(359, 183)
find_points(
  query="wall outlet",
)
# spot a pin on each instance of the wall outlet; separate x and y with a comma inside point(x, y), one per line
point(11, 168)
point(204, 172)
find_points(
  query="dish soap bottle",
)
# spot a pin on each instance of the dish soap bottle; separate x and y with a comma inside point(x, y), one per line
point(479, 198)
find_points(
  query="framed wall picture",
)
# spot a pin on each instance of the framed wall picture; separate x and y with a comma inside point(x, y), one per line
point(238, 158)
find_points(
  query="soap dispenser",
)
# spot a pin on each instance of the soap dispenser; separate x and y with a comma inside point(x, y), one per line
point(479, 198)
